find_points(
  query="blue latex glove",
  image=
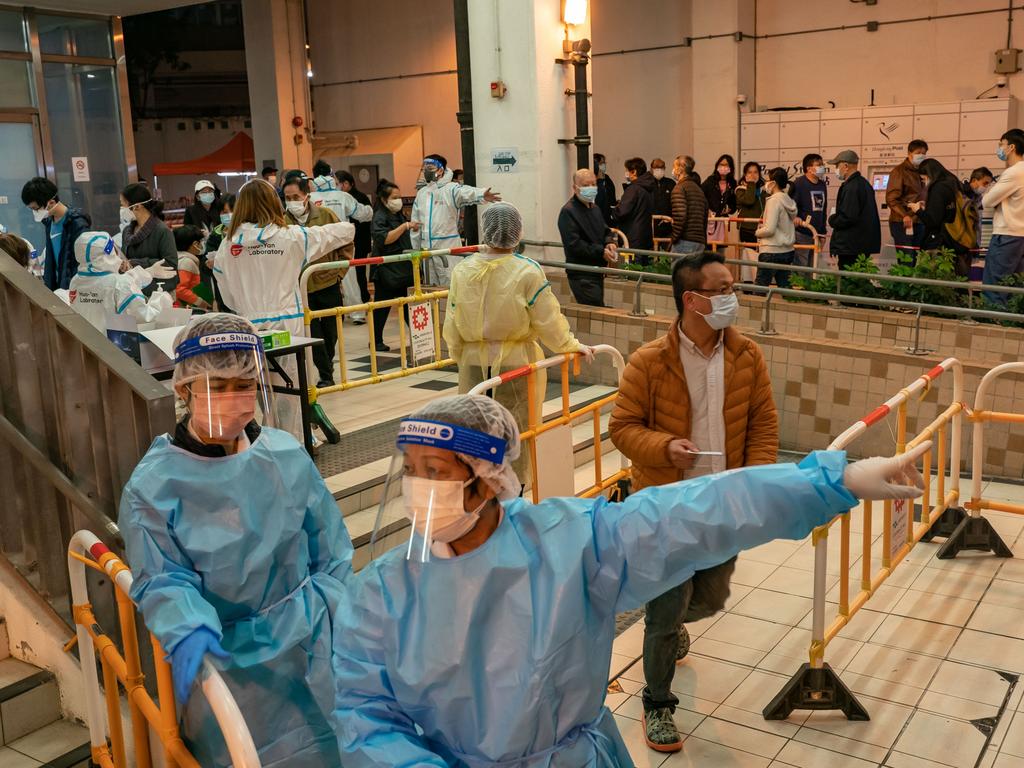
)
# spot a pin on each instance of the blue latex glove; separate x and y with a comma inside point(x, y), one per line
point(188, 655)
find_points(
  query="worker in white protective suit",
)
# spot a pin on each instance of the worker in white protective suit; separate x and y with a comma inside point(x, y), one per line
point(326, 192)
point(500, 310)
point(104, 285)
point(257, 268)
point(436, 209)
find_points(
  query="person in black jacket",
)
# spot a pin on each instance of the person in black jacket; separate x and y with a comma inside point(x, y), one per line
point(63, 225)
point(720, 187)
point(389, 230)
point(938, 211)
point(856, 228)
point(633, 213)
point(363, 244)
point(201, 213)
point(586, 239)
point(606, 198)
point(663, 196)
point(147, 240)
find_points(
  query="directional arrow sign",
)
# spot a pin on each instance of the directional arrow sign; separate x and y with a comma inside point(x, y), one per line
point(504, 159)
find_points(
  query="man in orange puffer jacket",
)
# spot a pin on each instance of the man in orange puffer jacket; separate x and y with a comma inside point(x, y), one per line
point(696, 401)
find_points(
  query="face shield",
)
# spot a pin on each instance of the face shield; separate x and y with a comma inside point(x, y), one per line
point(221, 373)
point(425, 494)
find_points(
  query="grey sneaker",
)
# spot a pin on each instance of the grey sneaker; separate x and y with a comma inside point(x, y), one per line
point(660, 731)
point(684, 644)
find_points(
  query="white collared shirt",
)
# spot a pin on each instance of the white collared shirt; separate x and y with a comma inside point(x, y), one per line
point(705, 381)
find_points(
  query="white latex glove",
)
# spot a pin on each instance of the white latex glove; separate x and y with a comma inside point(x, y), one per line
point(587, 353)
point(881, 478)
point(160, 271)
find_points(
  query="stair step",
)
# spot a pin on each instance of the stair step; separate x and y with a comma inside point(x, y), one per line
point(58, 745)
point(29, 699)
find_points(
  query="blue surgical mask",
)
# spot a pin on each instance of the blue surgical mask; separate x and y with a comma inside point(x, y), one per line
point(206, 198)
point(588, 194)
point(1001, 153)
point(225, 219)
point(916, 160)
point(819, 171)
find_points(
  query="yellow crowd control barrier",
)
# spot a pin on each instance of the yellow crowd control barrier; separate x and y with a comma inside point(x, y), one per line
point(103, 707)
point(972, 531)
point(816, 685)
point(433, 299)
point(536, 427)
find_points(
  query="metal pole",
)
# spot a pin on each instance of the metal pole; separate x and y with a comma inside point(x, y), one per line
point(465, 113)
point(637, 308)
point(579, 64)
point(916, 348)
point(767, 327)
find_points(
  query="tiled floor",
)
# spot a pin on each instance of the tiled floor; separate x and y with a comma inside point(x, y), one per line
point(932, 651)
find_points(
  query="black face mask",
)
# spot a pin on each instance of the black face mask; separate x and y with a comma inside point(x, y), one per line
point(429, 176)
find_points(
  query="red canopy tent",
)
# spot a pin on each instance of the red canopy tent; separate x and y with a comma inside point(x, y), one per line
point(237, 155)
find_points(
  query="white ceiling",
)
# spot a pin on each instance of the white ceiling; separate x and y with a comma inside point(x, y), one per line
point(111, 7)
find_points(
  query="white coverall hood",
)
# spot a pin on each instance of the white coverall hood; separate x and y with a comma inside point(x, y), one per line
point(97, 253)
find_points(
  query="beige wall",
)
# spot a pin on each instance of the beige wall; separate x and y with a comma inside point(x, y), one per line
point(941, 60)
point(349, 41)
point(671, 101)
point(642, 101)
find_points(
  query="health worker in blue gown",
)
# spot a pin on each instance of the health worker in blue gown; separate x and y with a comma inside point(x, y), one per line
point(239, 554)
point(484, 638)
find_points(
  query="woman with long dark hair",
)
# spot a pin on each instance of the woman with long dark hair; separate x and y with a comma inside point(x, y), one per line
point(389, 234)
point(145, 238)
point(720, 187)
point(940, 210)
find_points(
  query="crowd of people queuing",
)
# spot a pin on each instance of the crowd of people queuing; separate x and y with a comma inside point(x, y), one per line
point(492, 606)
point(780, 215)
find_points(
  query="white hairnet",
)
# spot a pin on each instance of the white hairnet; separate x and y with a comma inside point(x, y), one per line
point(502, 225)
point(222, 363)
point(490, 417)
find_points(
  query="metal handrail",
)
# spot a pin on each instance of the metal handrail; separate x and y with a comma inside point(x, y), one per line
point(837, 273)
point(798, 294)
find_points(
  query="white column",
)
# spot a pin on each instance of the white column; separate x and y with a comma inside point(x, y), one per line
point(275, 45)
point(723, 69)
point(518, 42)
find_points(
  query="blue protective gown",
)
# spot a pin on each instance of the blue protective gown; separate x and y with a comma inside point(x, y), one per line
point(500, 657)
point(251, 546)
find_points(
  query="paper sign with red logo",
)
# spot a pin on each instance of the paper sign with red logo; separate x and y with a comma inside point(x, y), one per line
point(236, 249)
point(898, 526)
point(72, 295)
point(421, 323)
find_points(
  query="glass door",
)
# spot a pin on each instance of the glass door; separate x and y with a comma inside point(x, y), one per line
point(19, 136)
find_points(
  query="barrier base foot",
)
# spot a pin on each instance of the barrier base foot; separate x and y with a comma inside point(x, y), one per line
point(812, 688)
point(946, 524)
point(320, 419)
point(973, 534)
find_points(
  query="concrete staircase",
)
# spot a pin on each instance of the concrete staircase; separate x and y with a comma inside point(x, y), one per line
point(32, 730)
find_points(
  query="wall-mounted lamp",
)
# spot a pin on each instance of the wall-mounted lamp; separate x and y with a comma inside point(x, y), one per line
point(574, 11)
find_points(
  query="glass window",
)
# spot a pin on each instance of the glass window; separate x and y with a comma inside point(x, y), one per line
point(85, 121)
point(68, 36)
point(19, 165)
point(12, 32)
point(16, 84)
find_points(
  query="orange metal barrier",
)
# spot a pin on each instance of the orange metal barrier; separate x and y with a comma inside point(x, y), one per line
point(536, 426)
point(434, 298)
point(103, 708)
point(816, 685)
point(814, 247)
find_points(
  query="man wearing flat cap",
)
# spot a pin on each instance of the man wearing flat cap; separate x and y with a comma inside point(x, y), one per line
point(856, 228)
